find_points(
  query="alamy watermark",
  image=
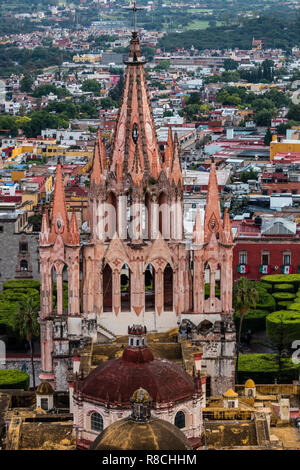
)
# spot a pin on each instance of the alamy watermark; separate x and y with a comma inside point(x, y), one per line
point(296, 92)
point(138, 221)
point(296, 354)
point(2, 353)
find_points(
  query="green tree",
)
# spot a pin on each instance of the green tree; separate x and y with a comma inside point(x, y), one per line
point(230, 64)
point(36, 221)
point(294, 112)
point(245, 297)
point(263, 117)
point(248, 175)
point(116, 92)
point(91, 85)
point(24, 321)
point(193, 98)
point(107, 103)
point(268, 137)
point(163, 65)
point(26, 84)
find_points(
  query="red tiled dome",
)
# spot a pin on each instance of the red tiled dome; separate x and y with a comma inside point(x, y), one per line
point(116, 380)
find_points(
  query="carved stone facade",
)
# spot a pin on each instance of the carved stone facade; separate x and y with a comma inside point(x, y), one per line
point(136, 265)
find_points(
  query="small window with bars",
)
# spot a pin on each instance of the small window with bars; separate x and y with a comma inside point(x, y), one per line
point(265, 259)
point(243, 257)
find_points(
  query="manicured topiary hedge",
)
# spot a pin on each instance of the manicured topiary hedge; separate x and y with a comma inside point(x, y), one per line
point(283, 296)
point(21, 284)
point(14, 378)
point(18, 295)
point(284, 287)
point(263, 369)
point(284, 304)
point(295, 306)
point(283, 327)
point(265, 285)
point(266, 302)
point(255, 320)
point(282, 278)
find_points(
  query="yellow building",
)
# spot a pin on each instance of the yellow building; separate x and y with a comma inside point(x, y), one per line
point(17, 175)
point(91, 58)
point(30, 199)
point(285, 146)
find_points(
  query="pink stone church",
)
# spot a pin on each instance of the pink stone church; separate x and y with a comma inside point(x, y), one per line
point(136, 266)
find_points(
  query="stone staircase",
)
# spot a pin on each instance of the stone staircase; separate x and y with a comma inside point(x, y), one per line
point(101, 330)
point(262, 431)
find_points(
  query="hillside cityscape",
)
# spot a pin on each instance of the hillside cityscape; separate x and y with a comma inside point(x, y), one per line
point(150, 226)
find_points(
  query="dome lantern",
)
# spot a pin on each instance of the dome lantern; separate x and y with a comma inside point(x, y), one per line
point(137, 336)
point(141, 402)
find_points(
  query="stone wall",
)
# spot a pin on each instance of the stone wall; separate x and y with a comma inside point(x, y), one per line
point(273, 389)
point(11, 256)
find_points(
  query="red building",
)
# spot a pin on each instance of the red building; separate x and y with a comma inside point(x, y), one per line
point(268, 245)
point(279, 180)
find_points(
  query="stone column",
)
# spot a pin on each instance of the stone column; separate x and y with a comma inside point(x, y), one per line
point(116, 297)
point(179, 220)
point(173, 218)
point(212, 283)
point(73, 281)
point(137, 287)
point(159, 290)
point(198, 283)
point(59, 287)
point(226, 283)
point(154, 220)
point(136, 224)
point(122, 217)
point(46, 284)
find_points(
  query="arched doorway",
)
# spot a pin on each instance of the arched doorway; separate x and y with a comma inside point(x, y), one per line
point(107, 289)
point(168, 288)
point(125, 289)
point(206, 281)
point(150, 288)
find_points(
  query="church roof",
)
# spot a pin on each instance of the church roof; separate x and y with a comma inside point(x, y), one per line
point(230, 394)
point(155, 434)
point(44, 388)
point(115, 381)
point(249, 383)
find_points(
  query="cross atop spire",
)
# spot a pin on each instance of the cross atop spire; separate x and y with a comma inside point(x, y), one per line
point(134, 8)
